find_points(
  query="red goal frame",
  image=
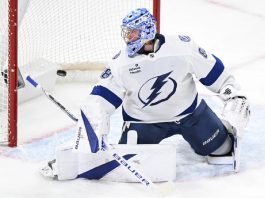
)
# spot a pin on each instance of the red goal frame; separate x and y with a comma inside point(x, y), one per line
point(12, 72)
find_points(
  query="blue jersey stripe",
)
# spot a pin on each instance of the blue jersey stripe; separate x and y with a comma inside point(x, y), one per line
point(107, 95)
point(191, 108)
point(126, 117)
point(214, 74)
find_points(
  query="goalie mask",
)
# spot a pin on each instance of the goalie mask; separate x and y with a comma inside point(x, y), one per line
point(138, 27)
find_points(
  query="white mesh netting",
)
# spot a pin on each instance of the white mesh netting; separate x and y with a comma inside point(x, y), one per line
point(73, 34)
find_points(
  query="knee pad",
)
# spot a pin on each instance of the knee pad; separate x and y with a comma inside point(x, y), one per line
point(225, 148)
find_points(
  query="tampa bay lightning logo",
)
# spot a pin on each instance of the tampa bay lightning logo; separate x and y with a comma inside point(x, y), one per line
point(157, 89)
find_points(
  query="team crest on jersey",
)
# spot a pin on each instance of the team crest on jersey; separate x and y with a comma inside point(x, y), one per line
point(117, 55)
point(105, 74)
point(157, 90)
point(184, 38)
point(203, 52)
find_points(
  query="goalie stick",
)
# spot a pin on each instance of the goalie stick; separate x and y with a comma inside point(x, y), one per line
point(107, 147)
point(36, 85)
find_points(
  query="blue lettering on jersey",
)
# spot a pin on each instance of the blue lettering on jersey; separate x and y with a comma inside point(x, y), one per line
point(105, 74)
point(157, 83)
point(184, 38)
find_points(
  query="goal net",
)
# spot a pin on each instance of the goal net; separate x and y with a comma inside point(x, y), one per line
point(73, 36)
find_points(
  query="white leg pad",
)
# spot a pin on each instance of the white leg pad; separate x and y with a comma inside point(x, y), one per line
point(66, 163)
point(158, 162)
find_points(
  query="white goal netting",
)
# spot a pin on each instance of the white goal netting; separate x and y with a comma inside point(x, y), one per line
point(76, 35)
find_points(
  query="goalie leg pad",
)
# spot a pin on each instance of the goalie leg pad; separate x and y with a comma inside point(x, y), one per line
point(158, 162)
point(66, 163)
point(64, 166)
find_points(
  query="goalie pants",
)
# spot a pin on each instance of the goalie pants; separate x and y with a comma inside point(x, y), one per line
point(202, 129)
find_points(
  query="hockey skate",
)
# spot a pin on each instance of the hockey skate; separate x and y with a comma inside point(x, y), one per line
point(232, 158)
point(49, 170)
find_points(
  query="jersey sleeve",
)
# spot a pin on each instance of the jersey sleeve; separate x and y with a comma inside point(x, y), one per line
point(209, 69)
point(107, 92)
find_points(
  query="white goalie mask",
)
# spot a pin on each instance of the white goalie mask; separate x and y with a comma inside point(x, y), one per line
point(138, 27)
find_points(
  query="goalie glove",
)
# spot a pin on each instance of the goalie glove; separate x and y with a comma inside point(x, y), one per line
point(236, 109)
point(93, 124)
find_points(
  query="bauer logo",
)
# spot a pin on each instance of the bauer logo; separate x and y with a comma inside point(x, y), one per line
point(132, 170)
point(211, 138)
point(106, 73)
point(78, 138)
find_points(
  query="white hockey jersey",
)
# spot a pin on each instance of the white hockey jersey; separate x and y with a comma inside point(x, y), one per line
point(160, 87)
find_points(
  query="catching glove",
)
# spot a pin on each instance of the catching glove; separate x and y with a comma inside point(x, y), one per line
point(236, 108)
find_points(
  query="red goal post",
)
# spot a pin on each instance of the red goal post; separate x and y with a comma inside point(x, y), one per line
point(63, 32)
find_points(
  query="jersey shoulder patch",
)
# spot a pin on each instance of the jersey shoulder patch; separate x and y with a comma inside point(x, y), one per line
point(184, 38)
point(202, 52)
point(105, 74)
